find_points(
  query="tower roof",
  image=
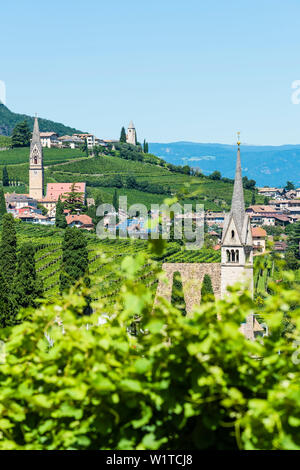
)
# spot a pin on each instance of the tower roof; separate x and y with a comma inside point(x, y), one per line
point(238, 203)
point(131, 125)
point(36, 140)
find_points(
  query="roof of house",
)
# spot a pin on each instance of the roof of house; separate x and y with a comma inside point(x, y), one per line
point(258, 232)
point(47, 134)
point(261, 208)
point(56, 190)
point(13, 197)
point(282, 217)
point(83, 218)
point(262, 190)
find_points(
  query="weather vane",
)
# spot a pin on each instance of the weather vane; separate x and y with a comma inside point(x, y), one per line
point(238, 139)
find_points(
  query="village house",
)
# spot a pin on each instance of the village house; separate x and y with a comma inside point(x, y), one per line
point(17, 201)
point(90, 138)
point(82, 221)
point(60, 190)
point(259, 236)
point(49, 139)
point(214, 218)
point(269, 192)
point(70, 141)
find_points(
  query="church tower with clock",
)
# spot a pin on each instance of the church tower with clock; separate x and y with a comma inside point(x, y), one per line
point(36, 169)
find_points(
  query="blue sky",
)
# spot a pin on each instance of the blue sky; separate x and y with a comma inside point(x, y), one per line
point(192, 70)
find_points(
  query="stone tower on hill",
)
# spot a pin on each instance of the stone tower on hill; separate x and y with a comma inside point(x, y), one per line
point(36, 169)
point(131, 134)
point(237, 244)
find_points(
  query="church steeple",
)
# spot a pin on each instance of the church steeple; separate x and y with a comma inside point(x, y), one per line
point(238, 203)
point(36, 140)
point(237, 244)
point(36, 170)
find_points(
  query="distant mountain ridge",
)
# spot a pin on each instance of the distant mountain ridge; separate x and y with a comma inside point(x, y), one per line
point(8, 120)
point(267, 165)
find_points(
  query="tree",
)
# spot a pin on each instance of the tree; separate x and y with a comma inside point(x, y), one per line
point(177, 297)
point(294, 240)
point(74, 259)
point(145, 146)
point(2, 204)
point(207, 293)
point(117, 181)
point(27, 287)
point(74, 201)
point(116, 201)
point(289, 186)
point(60, 219)
point(248, 184)
point(291, 260)
point(131, 182)
point(5, 178)
point(123, 135)
point(92, 209)
point(85, 148)
point(216, 175)
point(253, 198)
point(8, 310)
point(8, 258)
point(21, 135)
point(8, 248)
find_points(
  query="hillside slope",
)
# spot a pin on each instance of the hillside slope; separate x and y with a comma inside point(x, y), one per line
point(100, 174)
point(8, 120)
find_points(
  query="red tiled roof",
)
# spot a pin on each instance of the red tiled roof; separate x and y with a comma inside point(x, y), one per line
point(258, 232)
point(54, 190)
point(83, 218)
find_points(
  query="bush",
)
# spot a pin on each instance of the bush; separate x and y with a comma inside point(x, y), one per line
point(183, 383)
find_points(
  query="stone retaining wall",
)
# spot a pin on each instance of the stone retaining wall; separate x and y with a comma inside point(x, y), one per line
point(192, 275)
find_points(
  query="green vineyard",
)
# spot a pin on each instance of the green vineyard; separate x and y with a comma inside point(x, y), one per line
point(103, 254)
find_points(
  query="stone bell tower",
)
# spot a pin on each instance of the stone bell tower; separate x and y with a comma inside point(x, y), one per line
point(131, 134)
point(237, 244)
point(36, 169)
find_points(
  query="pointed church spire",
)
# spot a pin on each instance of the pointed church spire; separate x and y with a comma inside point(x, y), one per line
point(131, 125)
point(36, 140)
point(238, 204)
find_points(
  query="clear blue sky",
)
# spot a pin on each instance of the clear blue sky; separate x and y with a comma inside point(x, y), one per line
point(181, 70)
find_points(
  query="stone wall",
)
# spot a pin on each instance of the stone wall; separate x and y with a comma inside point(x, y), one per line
point(192, 275)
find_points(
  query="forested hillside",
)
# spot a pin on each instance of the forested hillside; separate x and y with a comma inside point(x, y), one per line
point(8, 120)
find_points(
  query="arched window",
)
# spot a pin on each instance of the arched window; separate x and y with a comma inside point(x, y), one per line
point(35, 160)
point(233, 256)
point(232, 233)
point(237, 256)
point(228, 256)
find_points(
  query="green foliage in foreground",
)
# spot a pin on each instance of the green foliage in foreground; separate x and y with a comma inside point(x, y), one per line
point(189, 382)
